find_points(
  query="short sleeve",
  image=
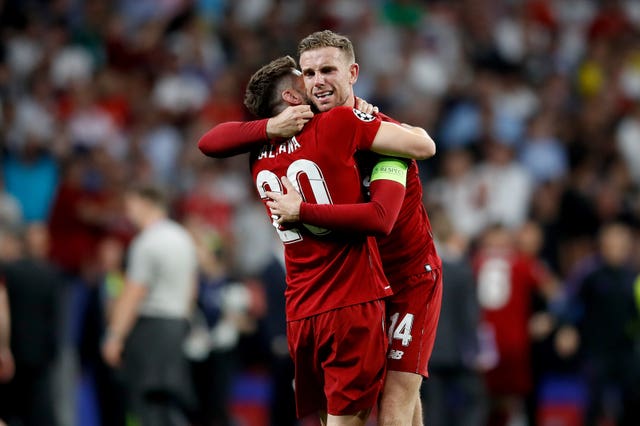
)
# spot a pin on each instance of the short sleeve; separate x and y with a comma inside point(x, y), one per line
point(140, 269)
point(347, 124)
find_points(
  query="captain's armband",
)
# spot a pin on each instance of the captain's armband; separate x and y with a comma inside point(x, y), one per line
point(391, 169)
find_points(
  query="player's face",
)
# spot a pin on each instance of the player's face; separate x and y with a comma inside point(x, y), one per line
point(300, 97)
point(328, 77)
point(298, 86)
point(133, 207)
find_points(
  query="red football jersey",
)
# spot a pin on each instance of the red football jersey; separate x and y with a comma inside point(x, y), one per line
point(325, 270)
point(409, 247)
point(506, 281)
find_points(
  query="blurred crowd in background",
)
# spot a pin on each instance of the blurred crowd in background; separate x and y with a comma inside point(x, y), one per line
point(534, 193)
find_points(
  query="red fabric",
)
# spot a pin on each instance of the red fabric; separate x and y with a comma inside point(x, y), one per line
point(510, 279)
point(374, 217)
point(210, 210)
point(74, 237)
point(349, 344)
point(421, 297)
point(541, 11)
point(609, 23)
point(409, 246)
point(325, 270)
point(118, 108)
point(405, 252)
point(232, 138)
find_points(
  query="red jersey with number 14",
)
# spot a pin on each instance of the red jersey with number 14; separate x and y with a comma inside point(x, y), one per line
point(325, 270)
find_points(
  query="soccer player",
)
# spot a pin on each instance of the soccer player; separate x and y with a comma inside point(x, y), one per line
point(335, 283)
point(408, 254)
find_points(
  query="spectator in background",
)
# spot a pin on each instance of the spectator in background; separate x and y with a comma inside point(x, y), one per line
point(10, 250)
point(33, 286)
point(273, 277)
point(7, 365)
point(607, 317)
point(89, 125)
point(76, 220)
point(628, 141)
point(149, 319)
point(10, 209)
point(542, 154)
point(455, 395)
point(507, 277)
point(506, 186)
point(31, 175)
point(109, 386)
point(578, 57)
point(460, 193)
point(223, 313)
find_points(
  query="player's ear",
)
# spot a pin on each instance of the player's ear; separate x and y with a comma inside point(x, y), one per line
point(292, 97)
point(354, 70)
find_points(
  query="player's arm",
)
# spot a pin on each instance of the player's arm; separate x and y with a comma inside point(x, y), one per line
point(403, 141)
point(371, 133)
point(377, 216)
point(125, 314)
point(237, 137)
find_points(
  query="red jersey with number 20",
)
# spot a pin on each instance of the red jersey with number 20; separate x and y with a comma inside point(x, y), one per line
point(325, 270)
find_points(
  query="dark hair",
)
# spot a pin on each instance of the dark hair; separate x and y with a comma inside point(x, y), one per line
point(327, 38)
point(261, 96)
point(152, 193)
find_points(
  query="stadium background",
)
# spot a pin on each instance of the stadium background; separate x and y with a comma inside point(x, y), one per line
point(534, 106)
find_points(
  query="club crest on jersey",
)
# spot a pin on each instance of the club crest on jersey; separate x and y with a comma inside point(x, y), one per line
point(363, 115)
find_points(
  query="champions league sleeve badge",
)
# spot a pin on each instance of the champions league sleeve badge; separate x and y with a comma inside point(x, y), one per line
point(363, 115)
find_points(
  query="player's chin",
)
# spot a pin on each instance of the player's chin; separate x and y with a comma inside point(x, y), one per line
point(325, 105)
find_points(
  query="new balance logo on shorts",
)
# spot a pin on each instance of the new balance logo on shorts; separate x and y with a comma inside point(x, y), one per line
point(395, 354)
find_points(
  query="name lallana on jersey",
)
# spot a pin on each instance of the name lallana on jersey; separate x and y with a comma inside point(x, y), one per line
point(273, 150)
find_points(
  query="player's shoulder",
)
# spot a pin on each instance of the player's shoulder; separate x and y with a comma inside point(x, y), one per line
point(348, 113)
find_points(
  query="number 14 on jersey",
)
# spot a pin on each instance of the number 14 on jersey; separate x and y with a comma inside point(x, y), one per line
point(401, 330)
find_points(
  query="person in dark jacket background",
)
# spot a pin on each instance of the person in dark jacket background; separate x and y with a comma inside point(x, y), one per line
point(33, 286)
point(454, 394)
point(605, 316)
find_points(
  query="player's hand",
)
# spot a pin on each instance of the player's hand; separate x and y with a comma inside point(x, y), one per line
point(289, 122)
point(112, 351)
point(366, 107)
point(7, 365)
point(285, 207)
point(567, 341)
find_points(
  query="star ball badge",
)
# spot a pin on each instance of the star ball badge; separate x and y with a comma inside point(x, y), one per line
point(363, 115)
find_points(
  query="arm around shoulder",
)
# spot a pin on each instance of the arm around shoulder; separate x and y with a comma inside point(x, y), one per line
point(403, 141)
point(233, 138)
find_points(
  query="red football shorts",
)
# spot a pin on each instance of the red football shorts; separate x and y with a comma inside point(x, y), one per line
point(412, 319)
point(339, 359)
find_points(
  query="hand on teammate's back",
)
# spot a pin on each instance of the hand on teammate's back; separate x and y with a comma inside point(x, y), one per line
point(289, 122)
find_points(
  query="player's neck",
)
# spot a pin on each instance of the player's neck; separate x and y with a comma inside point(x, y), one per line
point(153, 217)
